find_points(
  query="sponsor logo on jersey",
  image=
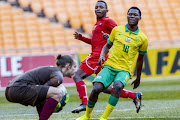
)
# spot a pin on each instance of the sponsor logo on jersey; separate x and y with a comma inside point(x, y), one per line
point(128, 39)
point(99, 77)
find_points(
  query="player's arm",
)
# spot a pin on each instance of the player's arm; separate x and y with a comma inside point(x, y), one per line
point(110, 24)
point(79, 36)
point(139, 65)
point(104, 52)
point(56, 79)
point(106, 47)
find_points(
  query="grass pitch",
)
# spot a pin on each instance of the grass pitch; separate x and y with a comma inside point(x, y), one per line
point(161, 101)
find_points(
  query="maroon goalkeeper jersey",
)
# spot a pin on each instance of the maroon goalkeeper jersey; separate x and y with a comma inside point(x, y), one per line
point(97, 42)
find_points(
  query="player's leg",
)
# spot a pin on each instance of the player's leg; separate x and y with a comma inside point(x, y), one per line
point(118, 86)
point(39, 108)
point(97, 89)
point(53, 98)
point(136, 97)
point(81, 89)
point(83, 72)
point(100, 83)
point(124, 93)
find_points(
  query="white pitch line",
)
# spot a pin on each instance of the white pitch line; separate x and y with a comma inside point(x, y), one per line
point(115, 118)
point(3, 116)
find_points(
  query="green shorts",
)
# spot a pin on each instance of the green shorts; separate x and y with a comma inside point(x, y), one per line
point(108, 75)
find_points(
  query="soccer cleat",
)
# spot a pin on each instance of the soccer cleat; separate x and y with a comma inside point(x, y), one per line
point(101, 118)
point(83, 118)
point(137, 101)
point(82, 107)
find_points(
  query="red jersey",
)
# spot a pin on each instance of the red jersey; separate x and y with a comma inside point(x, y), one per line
point(97, 42)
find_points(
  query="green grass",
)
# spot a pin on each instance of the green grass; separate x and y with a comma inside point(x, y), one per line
point(161, 101)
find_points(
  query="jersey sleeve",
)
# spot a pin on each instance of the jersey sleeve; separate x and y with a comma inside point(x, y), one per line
point(111, 37)
point(110, 24)
point(85, 39)
point(144, 46)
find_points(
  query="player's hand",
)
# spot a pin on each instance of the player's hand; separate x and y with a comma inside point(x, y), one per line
point(76, 35)
point(101, 59)
point(136, 83)
point(105, 35)
point(64, 100)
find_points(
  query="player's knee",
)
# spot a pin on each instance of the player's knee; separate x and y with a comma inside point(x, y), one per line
point(55, 94)
point(97, 89)
point(118, 86)
point(57, 97)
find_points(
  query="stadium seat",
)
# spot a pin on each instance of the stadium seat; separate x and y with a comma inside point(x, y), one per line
point(58, 35)
point(36, 6)
point(45, 34)
point(26, 30)
point(75, 20)
point(62, 17)
point(8, 40)
point(24, 4)
point(32, 31)
point(1, 42)
point(21, 40)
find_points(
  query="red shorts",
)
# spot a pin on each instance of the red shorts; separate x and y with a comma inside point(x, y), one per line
point(90, 65)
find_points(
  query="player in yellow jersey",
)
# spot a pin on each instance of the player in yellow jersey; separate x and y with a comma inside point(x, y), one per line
point(126, 41)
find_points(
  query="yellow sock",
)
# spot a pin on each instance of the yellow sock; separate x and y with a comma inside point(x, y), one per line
point(107, 112)
point(89, 111)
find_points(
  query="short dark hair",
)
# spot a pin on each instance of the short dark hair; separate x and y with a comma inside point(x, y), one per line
point(136, 9)
point(63, 60)
point(103, 2)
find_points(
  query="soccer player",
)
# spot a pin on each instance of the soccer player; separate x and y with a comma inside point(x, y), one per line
point(38, 87)
point(103, 27)
point(126, 41)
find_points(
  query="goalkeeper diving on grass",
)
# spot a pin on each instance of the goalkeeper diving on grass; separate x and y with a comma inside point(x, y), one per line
point(38, 87)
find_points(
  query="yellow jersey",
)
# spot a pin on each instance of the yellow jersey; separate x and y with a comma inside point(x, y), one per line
point(125, 45)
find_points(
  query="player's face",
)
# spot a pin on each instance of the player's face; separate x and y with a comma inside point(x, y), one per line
point(71, 70)
point(133, 17)
point(100, 10)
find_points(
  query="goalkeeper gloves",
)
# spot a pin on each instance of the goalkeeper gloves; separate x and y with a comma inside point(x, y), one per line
point(62, 103)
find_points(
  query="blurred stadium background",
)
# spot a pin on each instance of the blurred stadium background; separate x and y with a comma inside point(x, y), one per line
point(44, 26)
point(32, 32)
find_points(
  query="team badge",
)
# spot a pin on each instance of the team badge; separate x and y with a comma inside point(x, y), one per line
point(137, 39)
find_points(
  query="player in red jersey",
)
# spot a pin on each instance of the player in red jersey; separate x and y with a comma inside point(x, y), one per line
point(89, 65)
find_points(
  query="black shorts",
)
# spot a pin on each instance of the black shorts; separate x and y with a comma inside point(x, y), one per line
point(27, 95)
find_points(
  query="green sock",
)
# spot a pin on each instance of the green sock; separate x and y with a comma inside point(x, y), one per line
point(110, 107)
point(113, 100)
point(91, 104)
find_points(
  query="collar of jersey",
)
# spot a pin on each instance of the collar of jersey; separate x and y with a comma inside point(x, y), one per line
point(102, 18)
point(135, 32)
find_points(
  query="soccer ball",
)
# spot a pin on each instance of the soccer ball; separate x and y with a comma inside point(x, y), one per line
point(62, 89)
point(64, 98)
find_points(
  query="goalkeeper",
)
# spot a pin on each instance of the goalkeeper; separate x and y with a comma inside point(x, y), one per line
point(38, 87)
